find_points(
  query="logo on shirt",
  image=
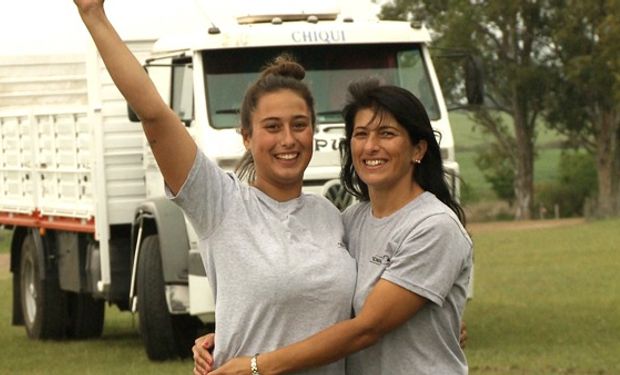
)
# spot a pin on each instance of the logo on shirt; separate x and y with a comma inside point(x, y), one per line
point(383, 260)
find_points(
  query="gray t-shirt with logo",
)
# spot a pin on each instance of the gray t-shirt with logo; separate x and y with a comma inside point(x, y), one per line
point(423, 248)
point(279, 270)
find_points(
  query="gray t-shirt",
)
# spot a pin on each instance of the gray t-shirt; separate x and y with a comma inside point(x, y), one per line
point(279, 270)
point(423, 248)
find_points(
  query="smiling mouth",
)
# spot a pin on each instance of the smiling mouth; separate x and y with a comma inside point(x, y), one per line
point(289, 156)
point(374, 162)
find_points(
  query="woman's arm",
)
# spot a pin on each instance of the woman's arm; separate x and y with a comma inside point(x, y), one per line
point(172, 146)
point(387, 307)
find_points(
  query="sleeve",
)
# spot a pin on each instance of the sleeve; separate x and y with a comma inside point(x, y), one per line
point(430, 259)
point(348, 219)
point(206, 194)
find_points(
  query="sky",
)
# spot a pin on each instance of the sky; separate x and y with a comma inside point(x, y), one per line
point(54, 26)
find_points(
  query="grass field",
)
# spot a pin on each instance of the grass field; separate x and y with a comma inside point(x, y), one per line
point(546, 302)
point(5, 240)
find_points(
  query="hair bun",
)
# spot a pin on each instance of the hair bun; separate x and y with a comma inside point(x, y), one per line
point(286, 66)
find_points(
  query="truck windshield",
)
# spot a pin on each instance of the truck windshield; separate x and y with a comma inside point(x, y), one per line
point(329, 70)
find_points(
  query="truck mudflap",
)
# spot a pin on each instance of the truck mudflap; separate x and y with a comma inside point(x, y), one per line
point(161, 216)
point(163, 220)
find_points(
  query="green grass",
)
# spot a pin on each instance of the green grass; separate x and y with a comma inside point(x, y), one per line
point(119, 351)
point(5, 240)
point(546, 302)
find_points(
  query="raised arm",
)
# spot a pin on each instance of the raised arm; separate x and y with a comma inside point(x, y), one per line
point(387, 307)
point(172, 146)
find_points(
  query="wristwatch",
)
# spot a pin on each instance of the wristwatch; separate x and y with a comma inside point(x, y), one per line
point(253, 365)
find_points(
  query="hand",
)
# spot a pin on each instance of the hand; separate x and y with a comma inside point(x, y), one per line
point(463, 335)
point(236, 366)
point(85, 6)
point(203, 360)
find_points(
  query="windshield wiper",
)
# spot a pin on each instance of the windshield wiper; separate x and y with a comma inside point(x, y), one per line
point(231, 111)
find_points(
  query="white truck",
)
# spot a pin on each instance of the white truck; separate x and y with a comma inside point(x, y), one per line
point(83, 195)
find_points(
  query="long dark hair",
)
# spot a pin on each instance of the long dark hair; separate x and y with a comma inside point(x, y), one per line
point(410, 113)
point(283, 73)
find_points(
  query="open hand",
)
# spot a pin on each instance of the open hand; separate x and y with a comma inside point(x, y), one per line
point(203, 359)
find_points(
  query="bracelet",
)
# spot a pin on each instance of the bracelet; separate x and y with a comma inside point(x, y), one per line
point(253, 365)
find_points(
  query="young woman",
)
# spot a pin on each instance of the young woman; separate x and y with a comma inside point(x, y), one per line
point(274, 256)
point(414, 256)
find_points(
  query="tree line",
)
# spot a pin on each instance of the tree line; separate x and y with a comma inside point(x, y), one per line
point(552, 63)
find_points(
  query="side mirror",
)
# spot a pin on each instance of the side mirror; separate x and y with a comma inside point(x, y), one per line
point(474, 80)
point(133, 116)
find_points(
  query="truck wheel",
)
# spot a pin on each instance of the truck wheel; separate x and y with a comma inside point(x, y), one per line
point(165, 336)
point(86, 316)
point(337, 194)
point(185, 328)
point(43, 303)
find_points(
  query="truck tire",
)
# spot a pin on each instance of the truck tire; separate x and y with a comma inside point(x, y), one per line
point(86, 316)
point(165, 336)
point(336, 193)
point(43, 303)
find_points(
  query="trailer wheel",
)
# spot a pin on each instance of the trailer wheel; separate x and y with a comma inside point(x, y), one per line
point(86, 316)
point(165, 336)
point(43, 303)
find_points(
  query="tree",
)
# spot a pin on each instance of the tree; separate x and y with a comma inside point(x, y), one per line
point(512, 39)
point(586, 106)
point(496, 168)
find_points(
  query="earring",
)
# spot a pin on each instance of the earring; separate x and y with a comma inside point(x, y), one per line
point(417, 161)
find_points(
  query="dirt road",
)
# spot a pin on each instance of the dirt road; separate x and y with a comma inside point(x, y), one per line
point(4, 266)
point(518, 225)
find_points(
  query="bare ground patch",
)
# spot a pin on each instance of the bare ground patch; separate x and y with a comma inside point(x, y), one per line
point(520, 225)
point(4, 266)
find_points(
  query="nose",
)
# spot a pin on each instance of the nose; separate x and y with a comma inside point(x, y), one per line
point(287, 136)
point(372, 143)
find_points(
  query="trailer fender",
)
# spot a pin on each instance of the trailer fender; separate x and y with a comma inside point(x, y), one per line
point(161, 216)
point(19, 233)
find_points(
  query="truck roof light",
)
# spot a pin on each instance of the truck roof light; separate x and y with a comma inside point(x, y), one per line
point(285, 17)
point(214, 30)
point(313, 19)
point(276, 21)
